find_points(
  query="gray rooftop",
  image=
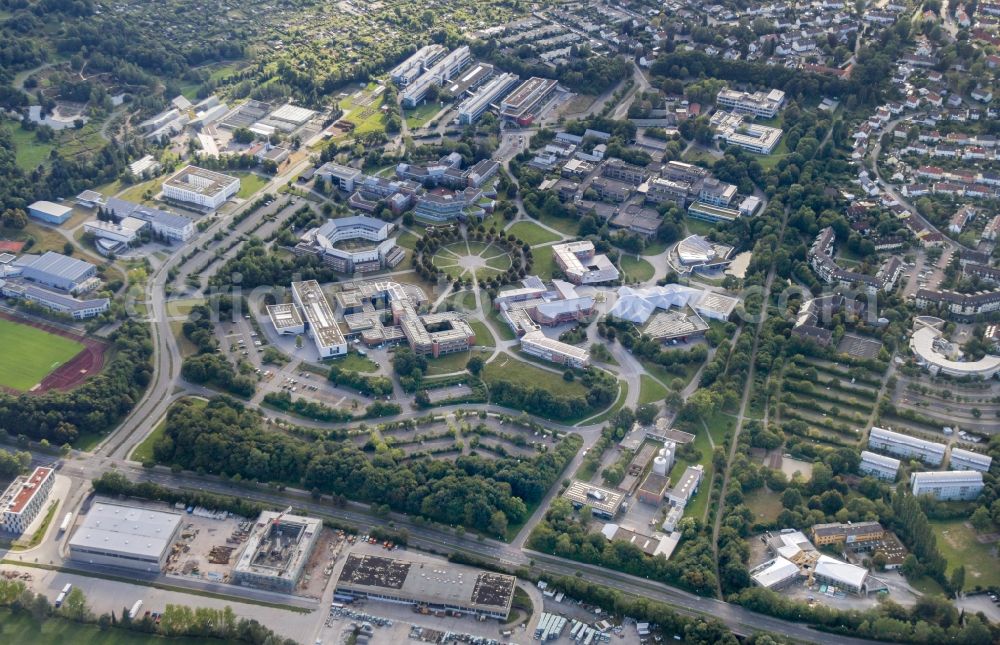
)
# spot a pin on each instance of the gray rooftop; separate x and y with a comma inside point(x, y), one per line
point(57, 264)
point(126, 529)
point(122, 208)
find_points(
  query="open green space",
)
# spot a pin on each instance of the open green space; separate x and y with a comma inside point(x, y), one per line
point(532, 233)
point(144, 191)
point(366, 118)
point(959, 546)
point(655, 248)
point(502, 329)
point(699, 503)
point(697, 226)
point(355, 362)
point(448, 363)
point(636, 269)
point(544, 264)
point(23, 629)
point(29, 153)
point(484, 338)
point(764, 504)
point(508, 368)
point(420, 115)
point(561, 224)
point(250, 184)
point(144, 451)
point(650, 390)
point(29, 354)
point(407, 240)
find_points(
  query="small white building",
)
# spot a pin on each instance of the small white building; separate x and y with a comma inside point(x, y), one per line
point(775, 574)
point(843, 575)
point(880, 466)
point(948, 485)
point(968, 460)
point(24, 499)
point(538, 344)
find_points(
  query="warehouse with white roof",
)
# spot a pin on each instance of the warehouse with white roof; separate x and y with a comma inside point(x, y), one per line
point(125, 536)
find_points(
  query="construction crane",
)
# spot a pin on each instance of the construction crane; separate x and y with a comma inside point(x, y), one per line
point(280, 515)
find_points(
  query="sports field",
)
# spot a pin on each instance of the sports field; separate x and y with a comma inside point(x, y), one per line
point(29, 354)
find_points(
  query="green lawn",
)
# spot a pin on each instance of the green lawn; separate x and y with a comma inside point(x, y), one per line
point(508, 368)
point(501, 327)
point(650, 390)
point(484, 338)
point(420, 115)
point(448, 363)
point(144, 451)
point(532, 233)
point(696, 506)
point(561, 224)
point(765, 505)
point(22, 629)
point(355, 362)
point(29, 354)
point(636, 269)
point(29, 153)
point(135, 192)
point(250, 184)
point(959, 546)
point(544, 264)
point(407, 240)
point(698, 227)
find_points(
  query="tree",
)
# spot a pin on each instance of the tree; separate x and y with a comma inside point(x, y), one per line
point(14, 218)
point(475, 365)
point(68, 248)
point(958, 579)
point(75, 605)
point(498, 524)
point(646, 413)
point(980, 519)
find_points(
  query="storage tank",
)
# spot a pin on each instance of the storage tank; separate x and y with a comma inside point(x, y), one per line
point(660, 465)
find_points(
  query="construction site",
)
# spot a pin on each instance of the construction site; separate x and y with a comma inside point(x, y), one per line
point(277, 551)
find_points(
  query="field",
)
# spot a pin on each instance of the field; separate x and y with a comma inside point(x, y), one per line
point(250, 184)
point(355, 362)
point(544, 264)
point(407, 240)
point(650, 390)
point(636, 269)
point(420, 115)
point(29, 153)
point(29, 354)
point(138, 192)
point(510, 369)
point(448, 363)
point(958, 544)
point(22, 629)
point(765, 505)
point(532, 233)
point(697, 226)
point(484, 338)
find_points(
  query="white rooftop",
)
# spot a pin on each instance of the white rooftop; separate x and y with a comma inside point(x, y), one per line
point(126, 529)
point(833, 569)
point(776, 571)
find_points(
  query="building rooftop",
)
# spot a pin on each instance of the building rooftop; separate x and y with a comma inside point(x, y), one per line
point(200, 180)
point(774, 572)
point(57, 264)
point(50, 208)
point(833, 569)
point(22, 490)
point(317, 311)
point(285, 315)
point(601, 499)
point(278, 545)
point(126, 529)
point(122, 208)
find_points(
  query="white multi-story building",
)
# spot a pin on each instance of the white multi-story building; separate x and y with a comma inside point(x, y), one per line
point(407, 71)
point(581, 265)
point(906, 446)
point(948, 485)
point(756, 103)
point(206, 189)
point(538, 344)
point(320, 322)
point(356, 244)
point(734, 130)
point(24, 498)
point(879, 466)
point(437, 74)
point(968, 460)
point(475, 105)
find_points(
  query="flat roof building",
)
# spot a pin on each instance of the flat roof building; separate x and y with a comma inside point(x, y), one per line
point(60, 302)
point(357, 244)
point(286, 319)
point(206, 189)
point(850, 533)
point(686, 487)
point(602, 501)
point(968, 460)
point(122, 536)
point(522, 104)
point(58, 271)
point(906, 446)
point(476, 104)
point(24, 499)
point(50, 212)
point(760, 104)
point(320, 322)
point(407, 71)
point(735, 130)
point(880, 466)
point(948, 485)
point(436, 74)
point(538, 344)
point(843, 575)
point(926, 345)
point(169, 226)
point(775, 574)
point(277, 551)
point(446, 586)
point(582, 265)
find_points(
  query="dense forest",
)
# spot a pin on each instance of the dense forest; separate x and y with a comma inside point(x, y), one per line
point(95, 406)
point(483, 494)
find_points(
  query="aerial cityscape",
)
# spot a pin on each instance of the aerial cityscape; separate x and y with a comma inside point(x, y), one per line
point(568, 321)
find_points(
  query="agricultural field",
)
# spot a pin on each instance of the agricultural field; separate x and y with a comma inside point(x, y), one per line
point(30, 354)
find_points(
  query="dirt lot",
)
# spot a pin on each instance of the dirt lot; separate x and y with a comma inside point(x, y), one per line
point(316, 575)
point(198, 536)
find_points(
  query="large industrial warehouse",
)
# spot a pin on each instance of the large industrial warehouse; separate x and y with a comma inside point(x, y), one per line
point(424, 584)
point(125, 536)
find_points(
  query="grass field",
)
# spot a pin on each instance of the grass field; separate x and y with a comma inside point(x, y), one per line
point(355, 362)
point(511, 369)
point(29, 153)
point(29, 354)
point(957, 543)
point(636, 269)
point(420, 115)
point(544, 264)
point(561, 224)
point(650, 390)
point(407, 240)
point(697, 226)
point(765, 505)
point(22, 629)
point(484, 338)
point(250, 184)
point(448, 363)
point(532, 233)
point(135, 192)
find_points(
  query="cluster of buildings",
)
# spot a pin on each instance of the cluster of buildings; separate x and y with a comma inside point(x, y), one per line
point(438, 192)
point(431, 66)
point(363, 307)
point(627, 195)
point(816, 312)
point(533, 305)
point(581, 264)
point(964, 480)
point(55, 281)
point(795, 559)
point(821, 259)
point(672, 312)
point(24, 499)
point(939, 356)
point(358, 244)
